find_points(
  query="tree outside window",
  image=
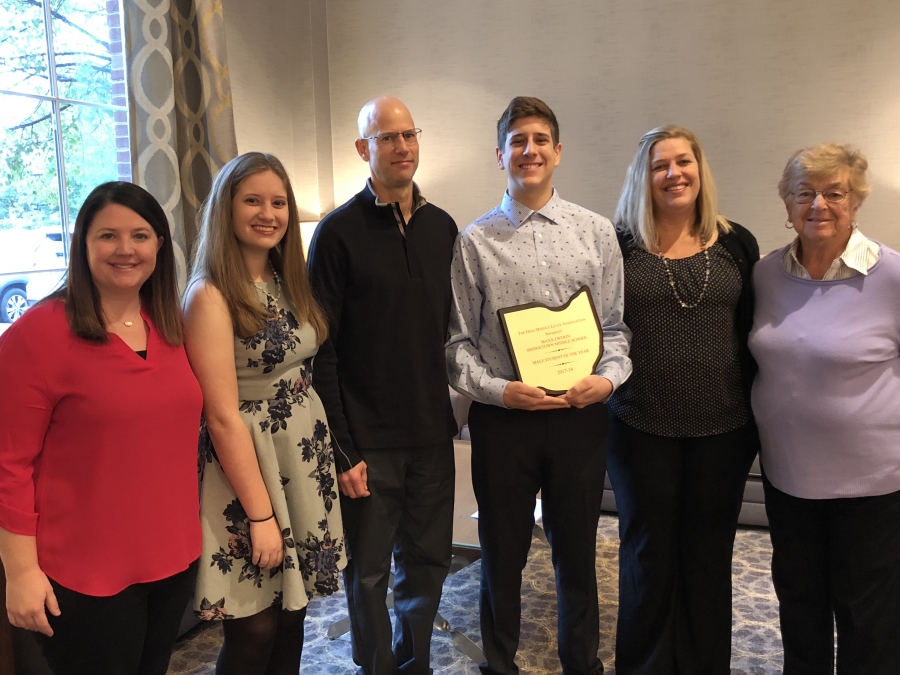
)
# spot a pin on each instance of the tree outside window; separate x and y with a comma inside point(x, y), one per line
point(63, 131)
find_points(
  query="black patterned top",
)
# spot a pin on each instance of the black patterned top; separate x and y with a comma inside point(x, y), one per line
point(687, 376)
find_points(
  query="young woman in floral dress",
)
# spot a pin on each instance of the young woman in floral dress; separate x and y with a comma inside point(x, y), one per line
point(272, 531)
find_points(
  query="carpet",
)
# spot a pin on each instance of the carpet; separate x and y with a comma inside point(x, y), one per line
point(756, 642)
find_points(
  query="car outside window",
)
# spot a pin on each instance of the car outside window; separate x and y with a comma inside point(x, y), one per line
point(63, 131)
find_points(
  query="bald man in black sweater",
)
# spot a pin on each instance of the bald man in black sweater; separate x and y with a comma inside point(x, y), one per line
point(380, 267)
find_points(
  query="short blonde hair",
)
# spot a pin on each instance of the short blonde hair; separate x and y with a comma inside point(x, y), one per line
point(634, 214)
point(822, 161)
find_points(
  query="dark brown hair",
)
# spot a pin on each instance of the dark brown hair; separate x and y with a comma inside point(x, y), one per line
point(217, 258)
point(159, 294)
point(526, 106)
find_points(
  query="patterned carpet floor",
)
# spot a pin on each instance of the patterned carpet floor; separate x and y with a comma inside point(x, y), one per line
point(756, 641)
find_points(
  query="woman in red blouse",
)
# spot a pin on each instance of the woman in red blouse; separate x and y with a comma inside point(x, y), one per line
point(99, 412)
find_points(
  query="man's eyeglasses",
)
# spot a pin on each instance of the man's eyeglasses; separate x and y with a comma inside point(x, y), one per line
point(388, 140)
point(833, 195)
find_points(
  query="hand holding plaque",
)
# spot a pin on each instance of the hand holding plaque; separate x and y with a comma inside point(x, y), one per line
point(554, 347)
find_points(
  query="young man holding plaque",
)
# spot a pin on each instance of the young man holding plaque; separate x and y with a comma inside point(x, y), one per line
point(380, 267)
point(535, 247)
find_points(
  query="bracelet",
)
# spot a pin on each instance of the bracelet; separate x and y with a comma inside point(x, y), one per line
point(262, 520)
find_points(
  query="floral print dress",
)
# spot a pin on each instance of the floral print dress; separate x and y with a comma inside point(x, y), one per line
point(294, 448)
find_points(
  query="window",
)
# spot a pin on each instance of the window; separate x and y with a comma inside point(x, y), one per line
point(63, 131)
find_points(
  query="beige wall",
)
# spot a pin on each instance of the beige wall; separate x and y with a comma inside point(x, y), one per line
point(272, 61)
point(755, 80)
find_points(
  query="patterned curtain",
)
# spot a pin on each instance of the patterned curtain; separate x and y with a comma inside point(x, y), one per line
point(181, 115)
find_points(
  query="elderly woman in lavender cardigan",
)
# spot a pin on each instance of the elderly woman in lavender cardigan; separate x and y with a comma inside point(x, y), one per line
point(827, 401)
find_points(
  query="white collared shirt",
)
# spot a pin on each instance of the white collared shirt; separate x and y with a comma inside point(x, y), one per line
point(859, 256)
point(513, 255)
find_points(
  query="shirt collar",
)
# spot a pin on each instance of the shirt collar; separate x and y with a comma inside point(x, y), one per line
point(518, 213)
point(855, 255)
point(418, 197)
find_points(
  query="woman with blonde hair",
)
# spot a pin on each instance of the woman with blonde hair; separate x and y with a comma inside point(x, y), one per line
point(826, 335)
point(272, 531)
point(682, 436)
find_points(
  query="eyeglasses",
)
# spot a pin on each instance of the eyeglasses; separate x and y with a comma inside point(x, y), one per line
point(833, 195)
point(387, 140)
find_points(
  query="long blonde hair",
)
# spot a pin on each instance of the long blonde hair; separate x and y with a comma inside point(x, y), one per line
point(217, 258)
point(634, 214)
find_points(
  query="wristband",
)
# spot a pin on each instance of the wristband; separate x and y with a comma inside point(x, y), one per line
point(262, 520)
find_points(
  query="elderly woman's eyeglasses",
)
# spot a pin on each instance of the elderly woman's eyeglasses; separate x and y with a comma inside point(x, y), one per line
point(833, 195)
point(387, 140)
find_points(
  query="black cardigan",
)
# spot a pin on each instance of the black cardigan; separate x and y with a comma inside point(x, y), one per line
point(742, 247)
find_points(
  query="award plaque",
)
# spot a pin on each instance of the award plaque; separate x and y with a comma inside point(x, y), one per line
point(554, 347)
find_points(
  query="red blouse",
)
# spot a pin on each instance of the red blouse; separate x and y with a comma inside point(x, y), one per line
point(98, 453)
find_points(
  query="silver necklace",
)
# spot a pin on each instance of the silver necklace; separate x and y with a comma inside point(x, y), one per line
point(671, 277)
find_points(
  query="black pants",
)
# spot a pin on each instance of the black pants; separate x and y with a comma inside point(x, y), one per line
point(130, 633)
point(678, 501)
point(836, 562)
point(409, 513)
point(562, 453)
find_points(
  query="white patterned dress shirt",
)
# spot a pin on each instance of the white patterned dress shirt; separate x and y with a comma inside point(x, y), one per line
point(512, 255)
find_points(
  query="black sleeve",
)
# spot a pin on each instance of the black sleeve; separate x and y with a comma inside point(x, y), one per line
point(327, 265)
point(749, 242)
point(744, 243)
point(626, 243)
point(326, 385)
point(453, 232)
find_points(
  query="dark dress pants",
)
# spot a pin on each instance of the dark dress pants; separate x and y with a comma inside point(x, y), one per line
point(130, 633)
point(409, 513)
point(562, 453)
point(678, 501)
point(836, 563)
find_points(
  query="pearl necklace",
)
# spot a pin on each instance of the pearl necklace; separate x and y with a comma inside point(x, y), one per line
point(127, 324)
point(671, 277)
point(277, 281)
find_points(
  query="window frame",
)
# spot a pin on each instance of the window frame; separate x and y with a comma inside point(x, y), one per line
point(56, 103)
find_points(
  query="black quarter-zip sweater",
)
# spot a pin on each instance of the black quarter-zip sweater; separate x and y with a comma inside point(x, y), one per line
point(381, 375)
